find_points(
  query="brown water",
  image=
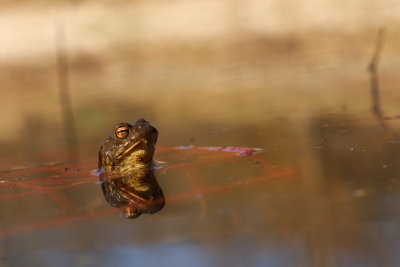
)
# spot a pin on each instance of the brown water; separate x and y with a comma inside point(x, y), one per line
point(323, 191)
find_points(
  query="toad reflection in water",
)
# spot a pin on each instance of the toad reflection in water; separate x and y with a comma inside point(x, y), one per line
point(126, 163)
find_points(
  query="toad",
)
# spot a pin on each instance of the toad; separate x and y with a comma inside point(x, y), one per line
point(126, 166)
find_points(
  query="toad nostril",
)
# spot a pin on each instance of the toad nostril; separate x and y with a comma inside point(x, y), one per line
point(141, 121)
point(131, 212)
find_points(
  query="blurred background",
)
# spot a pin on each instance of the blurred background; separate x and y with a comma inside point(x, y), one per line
point(188, 63)
point(287, 76)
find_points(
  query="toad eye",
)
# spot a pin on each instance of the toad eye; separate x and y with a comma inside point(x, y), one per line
point(122, 132)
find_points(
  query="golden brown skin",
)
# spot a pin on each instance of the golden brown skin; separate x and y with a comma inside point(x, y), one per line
point(126, 163)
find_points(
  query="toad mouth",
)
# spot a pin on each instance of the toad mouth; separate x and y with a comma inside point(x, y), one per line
point(130, 148)
point(130, 193)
